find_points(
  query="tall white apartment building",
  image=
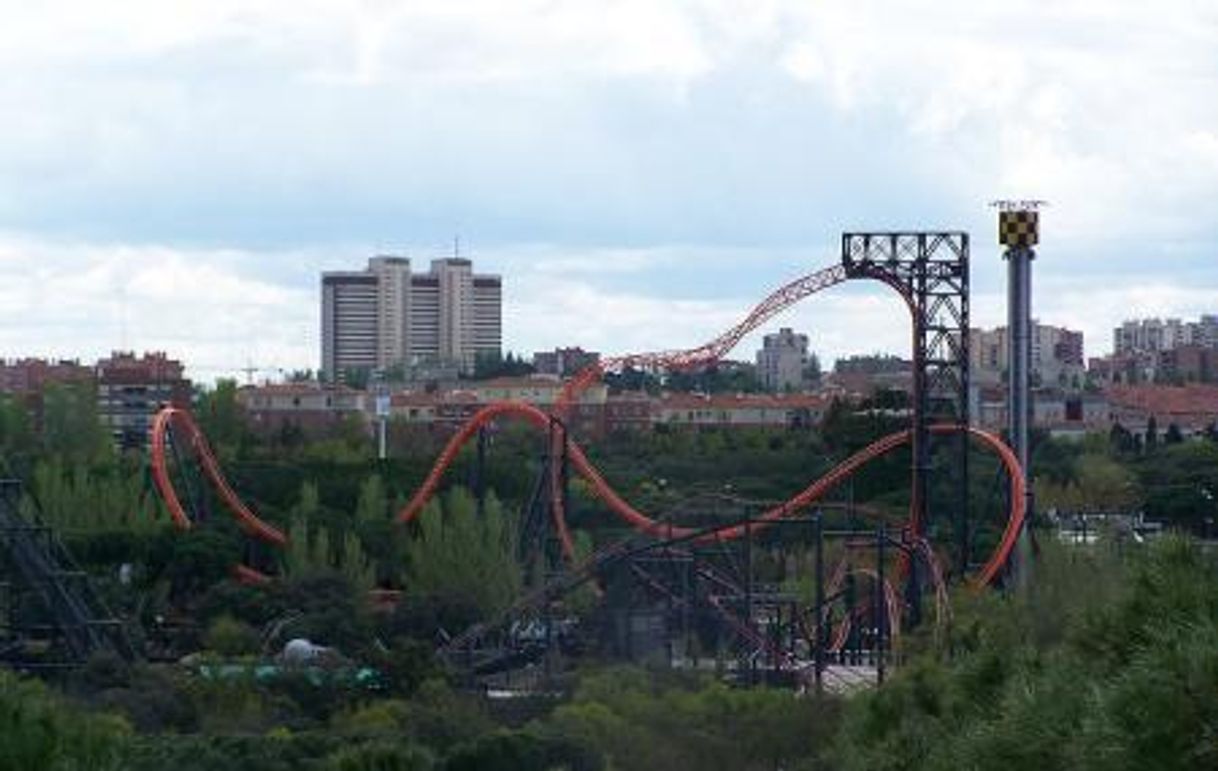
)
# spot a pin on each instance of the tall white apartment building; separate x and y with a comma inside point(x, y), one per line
point(782, 360)
point(1152, 335)
point(388, 316)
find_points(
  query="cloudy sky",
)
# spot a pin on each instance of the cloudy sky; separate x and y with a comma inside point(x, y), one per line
point(174, 175)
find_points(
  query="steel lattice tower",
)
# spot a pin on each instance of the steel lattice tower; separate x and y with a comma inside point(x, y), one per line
point(930, 270)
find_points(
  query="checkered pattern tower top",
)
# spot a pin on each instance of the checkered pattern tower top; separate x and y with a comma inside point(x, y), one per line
point(1018, 229)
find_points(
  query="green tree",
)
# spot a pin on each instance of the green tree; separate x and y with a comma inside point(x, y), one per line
point(1173, 435)
point(71, 426)
point(457, 556)
point(16, 432)
point(1099, 484)
point(220, 415)
point(381, 756)
point(37, 731)
point(373, 502)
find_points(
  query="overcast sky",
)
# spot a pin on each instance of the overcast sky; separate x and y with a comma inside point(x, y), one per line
point(175, 175)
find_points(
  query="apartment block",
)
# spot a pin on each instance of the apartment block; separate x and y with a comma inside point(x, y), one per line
point(564, 362)
point(28, 376)
point(387, 316)
point(131, 389)
point(1153, 335)
point(782, 360)
point(1056, 353)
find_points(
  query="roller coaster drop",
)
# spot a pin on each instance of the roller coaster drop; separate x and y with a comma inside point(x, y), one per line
point(928, 270)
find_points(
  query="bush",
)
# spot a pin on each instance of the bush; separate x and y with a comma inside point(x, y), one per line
point(522, 751)
point(1125, 681)
point(38, 731)
point(382, 757)
point(229, 637)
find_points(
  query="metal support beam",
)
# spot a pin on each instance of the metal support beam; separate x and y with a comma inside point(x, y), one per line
point(930, 270)
point(1019, 358)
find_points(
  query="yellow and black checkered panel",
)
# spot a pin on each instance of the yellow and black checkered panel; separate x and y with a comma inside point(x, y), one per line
point(1018, 229)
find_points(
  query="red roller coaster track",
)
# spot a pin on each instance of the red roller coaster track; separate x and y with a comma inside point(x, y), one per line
point(178, 421)
point(807, 497)
point(777, 301)
point(177, 424)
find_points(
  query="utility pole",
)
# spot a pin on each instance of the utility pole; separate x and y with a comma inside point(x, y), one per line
point(381, 391)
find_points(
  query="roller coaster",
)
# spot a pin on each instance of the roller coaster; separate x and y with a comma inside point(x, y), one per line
point(930, 273)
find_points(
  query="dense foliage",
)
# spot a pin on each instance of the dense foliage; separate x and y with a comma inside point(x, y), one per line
point(1110, 661)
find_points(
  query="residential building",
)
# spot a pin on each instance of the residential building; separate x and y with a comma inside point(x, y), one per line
point(1153, 335)
point(307, 408)
point(1059, 411)
point(628, 411)
point(564, 362)
point(1188, 364)
point(1056, 356)
point(131, 390)
point(783, 360)
point(28, 376)
point(739, 410)
point(860, 377)
point(388, 317)
point(585, 417)
point(1191, 408)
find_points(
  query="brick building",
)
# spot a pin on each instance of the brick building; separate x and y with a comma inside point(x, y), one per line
point(130, 391)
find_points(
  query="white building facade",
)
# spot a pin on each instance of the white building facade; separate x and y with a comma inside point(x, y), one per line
point(387, 316)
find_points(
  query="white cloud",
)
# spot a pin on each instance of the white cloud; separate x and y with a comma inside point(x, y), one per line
point(606, 132)
point(221, 310)
point(77, 300)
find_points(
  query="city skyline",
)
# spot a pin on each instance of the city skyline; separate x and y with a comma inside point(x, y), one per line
point(640, 175)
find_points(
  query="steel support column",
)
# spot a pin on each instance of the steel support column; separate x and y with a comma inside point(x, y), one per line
point(930, 271)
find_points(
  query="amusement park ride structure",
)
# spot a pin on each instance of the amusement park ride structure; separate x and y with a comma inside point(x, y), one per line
point(930, 271)
point(698, 571)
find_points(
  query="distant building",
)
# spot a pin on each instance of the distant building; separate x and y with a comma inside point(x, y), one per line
point(585, 417)
point(309, 409)
point(1153, 334)
point(857, 377)
point(739, 410)
point(387, 317)
point(131, 390)
point(1056, 354)
point(28, 376)
point(782, 361)
point(564, 362)
point(1060, 412)
point(1190, 408)
point(1188, 364)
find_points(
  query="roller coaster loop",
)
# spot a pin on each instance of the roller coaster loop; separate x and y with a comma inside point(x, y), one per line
point(802, 500)
point(175, 424)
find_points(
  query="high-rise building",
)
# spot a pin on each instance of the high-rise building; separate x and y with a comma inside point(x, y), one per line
point(1056, 353)
point(782, 360)
point(387, 316)
point(1153, 335)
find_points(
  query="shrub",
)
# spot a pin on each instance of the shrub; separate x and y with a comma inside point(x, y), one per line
point(229, 637)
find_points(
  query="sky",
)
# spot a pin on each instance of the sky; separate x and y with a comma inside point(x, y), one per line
point(175, 176)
